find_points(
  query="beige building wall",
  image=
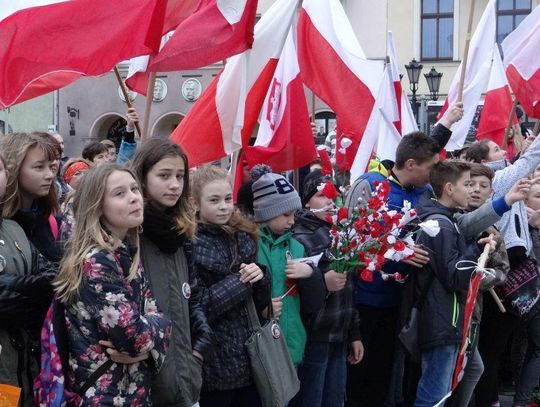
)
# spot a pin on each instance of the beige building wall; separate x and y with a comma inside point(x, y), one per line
point(35, 114)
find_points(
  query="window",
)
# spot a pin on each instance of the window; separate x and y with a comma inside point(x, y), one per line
point(437, 29)
point(509, 14)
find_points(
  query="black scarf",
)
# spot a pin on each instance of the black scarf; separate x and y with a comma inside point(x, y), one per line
point(160, 227)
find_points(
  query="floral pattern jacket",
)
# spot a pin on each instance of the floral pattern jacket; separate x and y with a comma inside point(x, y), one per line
point(111, 308)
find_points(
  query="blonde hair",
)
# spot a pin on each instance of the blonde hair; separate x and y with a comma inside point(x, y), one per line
point(209, 173)
point(15, 147)
point(89, 233)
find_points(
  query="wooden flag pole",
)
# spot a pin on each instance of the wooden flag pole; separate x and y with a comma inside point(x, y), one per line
point(466, 53)
point(536, 128)
point(482, 263)
point(509, 123)
point(126, 96)
point(148, 107)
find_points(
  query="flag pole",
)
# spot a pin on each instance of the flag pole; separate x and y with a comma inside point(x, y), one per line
point(536, 128)
point(126, 96)
point(466, 53)
point(148, 107)
point(509, 123)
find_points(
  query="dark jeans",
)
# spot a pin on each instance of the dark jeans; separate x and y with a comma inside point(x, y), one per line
point(531, 369)
point(242, 397)
point(437, 369)
point(368, 382)
point(495, 331)
point(322, 374)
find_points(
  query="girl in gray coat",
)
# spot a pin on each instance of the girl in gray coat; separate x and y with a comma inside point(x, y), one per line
point(169, 225)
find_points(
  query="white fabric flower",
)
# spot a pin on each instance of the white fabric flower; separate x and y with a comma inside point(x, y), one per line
point(109, 316)
point(431, 227)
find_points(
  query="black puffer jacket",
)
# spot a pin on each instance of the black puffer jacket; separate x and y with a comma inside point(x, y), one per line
point(338, 320)
point(217, 260)
point(441, 316)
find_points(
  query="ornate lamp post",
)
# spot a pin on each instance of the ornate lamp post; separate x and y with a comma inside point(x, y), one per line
point(413, 72)
point(433, 79)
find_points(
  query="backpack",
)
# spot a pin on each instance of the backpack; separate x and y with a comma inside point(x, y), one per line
point(50, 385)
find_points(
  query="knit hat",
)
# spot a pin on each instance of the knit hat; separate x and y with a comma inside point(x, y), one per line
point(273, 195)
point(311, 183)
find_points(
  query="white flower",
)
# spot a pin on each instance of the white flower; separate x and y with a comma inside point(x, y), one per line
point(81, 311)
point(110, 297)
point(118, 401)
point(132, 388)
point(391, 239)
point(85, 331)
point(372, 266)
point(408, 240)
point(91, 392)
point(431, 227)
point(151, 307)
point(407, 217)
point(345, 142)
point(109, 316)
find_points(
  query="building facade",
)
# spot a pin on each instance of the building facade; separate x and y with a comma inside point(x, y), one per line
point(432, 32)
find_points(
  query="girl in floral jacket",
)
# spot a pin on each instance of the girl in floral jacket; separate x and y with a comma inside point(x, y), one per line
point(110, 311)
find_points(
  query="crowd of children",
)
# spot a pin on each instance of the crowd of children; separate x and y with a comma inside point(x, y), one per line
point(126, 280)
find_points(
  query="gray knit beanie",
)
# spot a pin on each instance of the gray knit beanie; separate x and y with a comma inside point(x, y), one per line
point(273, 195)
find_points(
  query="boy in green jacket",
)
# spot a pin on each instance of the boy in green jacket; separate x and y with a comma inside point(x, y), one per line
point(298, 288)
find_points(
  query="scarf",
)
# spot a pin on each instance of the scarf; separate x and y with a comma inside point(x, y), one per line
point(160, 227)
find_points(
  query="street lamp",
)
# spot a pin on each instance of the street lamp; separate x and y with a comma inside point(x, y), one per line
point(413, 72)
point(433, 79)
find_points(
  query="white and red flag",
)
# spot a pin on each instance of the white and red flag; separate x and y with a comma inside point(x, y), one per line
point(405, 122)
point(497, 104)
point(176, 12)
point(217, 30)
point(72, 39)
point(476, 75)
point(334, 67)
point(520, 52)
point(223, 118)
point(284, 140)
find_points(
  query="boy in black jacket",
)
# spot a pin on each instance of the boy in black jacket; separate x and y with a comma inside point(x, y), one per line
point(333, 336)
point(441, 314)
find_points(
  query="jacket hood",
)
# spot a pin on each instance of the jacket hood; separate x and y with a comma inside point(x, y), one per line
point(496, 165)
point(430, 206)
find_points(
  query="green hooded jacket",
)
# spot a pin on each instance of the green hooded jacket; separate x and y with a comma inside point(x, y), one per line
point(272, 254)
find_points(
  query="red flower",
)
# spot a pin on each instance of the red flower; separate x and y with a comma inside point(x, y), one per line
point(329, 190)
point(399, 246)
point(366, 275)
point(398, 277)
point(342, 213)
point(360, 225)
point(376, 230)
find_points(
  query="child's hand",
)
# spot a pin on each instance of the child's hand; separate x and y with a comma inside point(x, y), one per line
point(121, 357)
point(488, 240)
point(519, 191)
point(250, 273)
point(419, 258)
point(356, 352)
point(132, 118)
point(295, 269)
point(277, 306)
point(335, 281)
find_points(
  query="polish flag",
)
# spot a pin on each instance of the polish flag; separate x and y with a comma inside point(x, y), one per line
point(520, 51)
point(497, 104)
point(223, 118)
point(217, 30)
point(405, 122)
point(284, 140)
point(381, 136)
point(476, 75)
point(334, 67)
point(72, 39)
point(176, 12)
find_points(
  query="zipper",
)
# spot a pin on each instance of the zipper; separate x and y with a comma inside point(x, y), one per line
point(25, 261)
point(455, 313)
